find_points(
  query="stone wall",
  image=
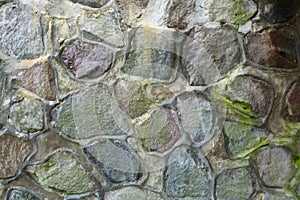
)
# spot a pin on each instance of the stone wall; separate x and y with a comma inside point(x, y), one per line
point(150, 99)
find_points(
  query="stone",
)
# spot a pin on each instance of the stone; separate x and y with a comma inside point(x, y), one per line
point(89, 114)
point(86, 60)
point(278, 11)
point(116, 160)
point(27, 115)
point(237, 12)
point(16, 194)
point(152, 54)
point(196, 115)
point(275, 165)
point(249, 96)
point(132, 10)
point(63, 173)
point(160, 131)
point(91, 3)
point(177, 11)
point(14, 151)
point(21, 30)
point(129, 193)
point(234, 184)
point(242, 139)
point(188, 174)
point(91, 24)
point(39, 79)
point(273, 48)
point(273, 195)
point(131, 98)
point(291, 109)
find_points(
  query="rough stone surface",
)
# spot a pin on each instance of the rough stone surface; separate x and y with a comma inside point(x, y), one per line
point(160, 131)
point(188, 174)
point(116, 160)
point(91, 3)
point(250, 96)
point(291, 108)
point(21, 31)
point(89, 114)
point(273, 48)
point(62, 172)
point(85, 60)
point(39, 79)
point(274, 165)
point(196, 115)
point(14, 152)
point(129, 193)
point(27, 116)
point(242, 138)
point(234, 184)
point(20, 194)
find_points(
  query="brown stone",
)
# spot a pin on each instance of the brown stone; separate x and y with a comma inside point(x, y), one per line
point(39, 79)
point(13, 152)
point(291, 109)
point(274, 48)
point(177, 12)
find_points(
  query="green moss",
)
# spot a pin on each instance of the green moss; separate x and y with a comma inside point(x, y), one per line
point(238, 13)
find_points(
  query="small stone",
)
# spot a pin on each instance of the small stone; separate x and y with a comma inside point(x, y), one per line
point(249, 96)
point(291, 108)
point(16, 194)
point(177, 11)
point(234, 184)
point(27, 115)
point(273, 48)
point(160, 131)
point(188, 174)
point(87, 61)
point(196, 115)
point(39, 79)
point(91, 24)
point(89, 114)
point(273, 195)
point(63, 173)
point(116, 160)
point(278, 11)
point(275, 165)
point(130, 193)
point(242, 138)
point(21, 31)
point(236, 12)
point(91, 3)
point(131, 98)
point(14, 151)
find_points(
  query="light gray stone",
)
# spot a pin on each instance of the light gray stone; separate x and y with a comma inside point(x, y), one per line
point(130, 193)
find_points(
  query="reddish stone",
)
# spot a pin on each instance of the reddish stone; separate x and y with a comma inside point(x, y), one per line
point(291, 109)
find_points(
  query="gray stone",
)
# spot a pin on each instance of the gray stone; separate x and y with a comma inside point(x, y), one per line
point(241, 138)
point(275, 165)
point(177, 13)
point(291, 109)
point(116, 160)
point(27, 115)
point(188, 174)
point(273, 48)
point(131, 98)
point(196, 115)
point(21, 31)
point(87, 61)
point(63, 173)
point(16, 194)
point(130, 193)
point(234, 184)
point(91, 3)
point(236, 12)
point(160, 131)
point(39, 79)
point(90, 113)
point(91, 24)
point(273, 195)
point(14, 151)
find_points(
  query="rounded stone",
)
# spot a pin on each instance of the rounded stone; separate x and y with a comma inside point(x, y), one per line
point(130, 193)
point(17, 194)
point(291, 107)
point(91, 3)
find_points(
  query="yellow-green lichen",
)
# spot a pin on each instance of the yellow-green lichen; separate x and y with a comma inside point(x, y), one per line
point(238, 13)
